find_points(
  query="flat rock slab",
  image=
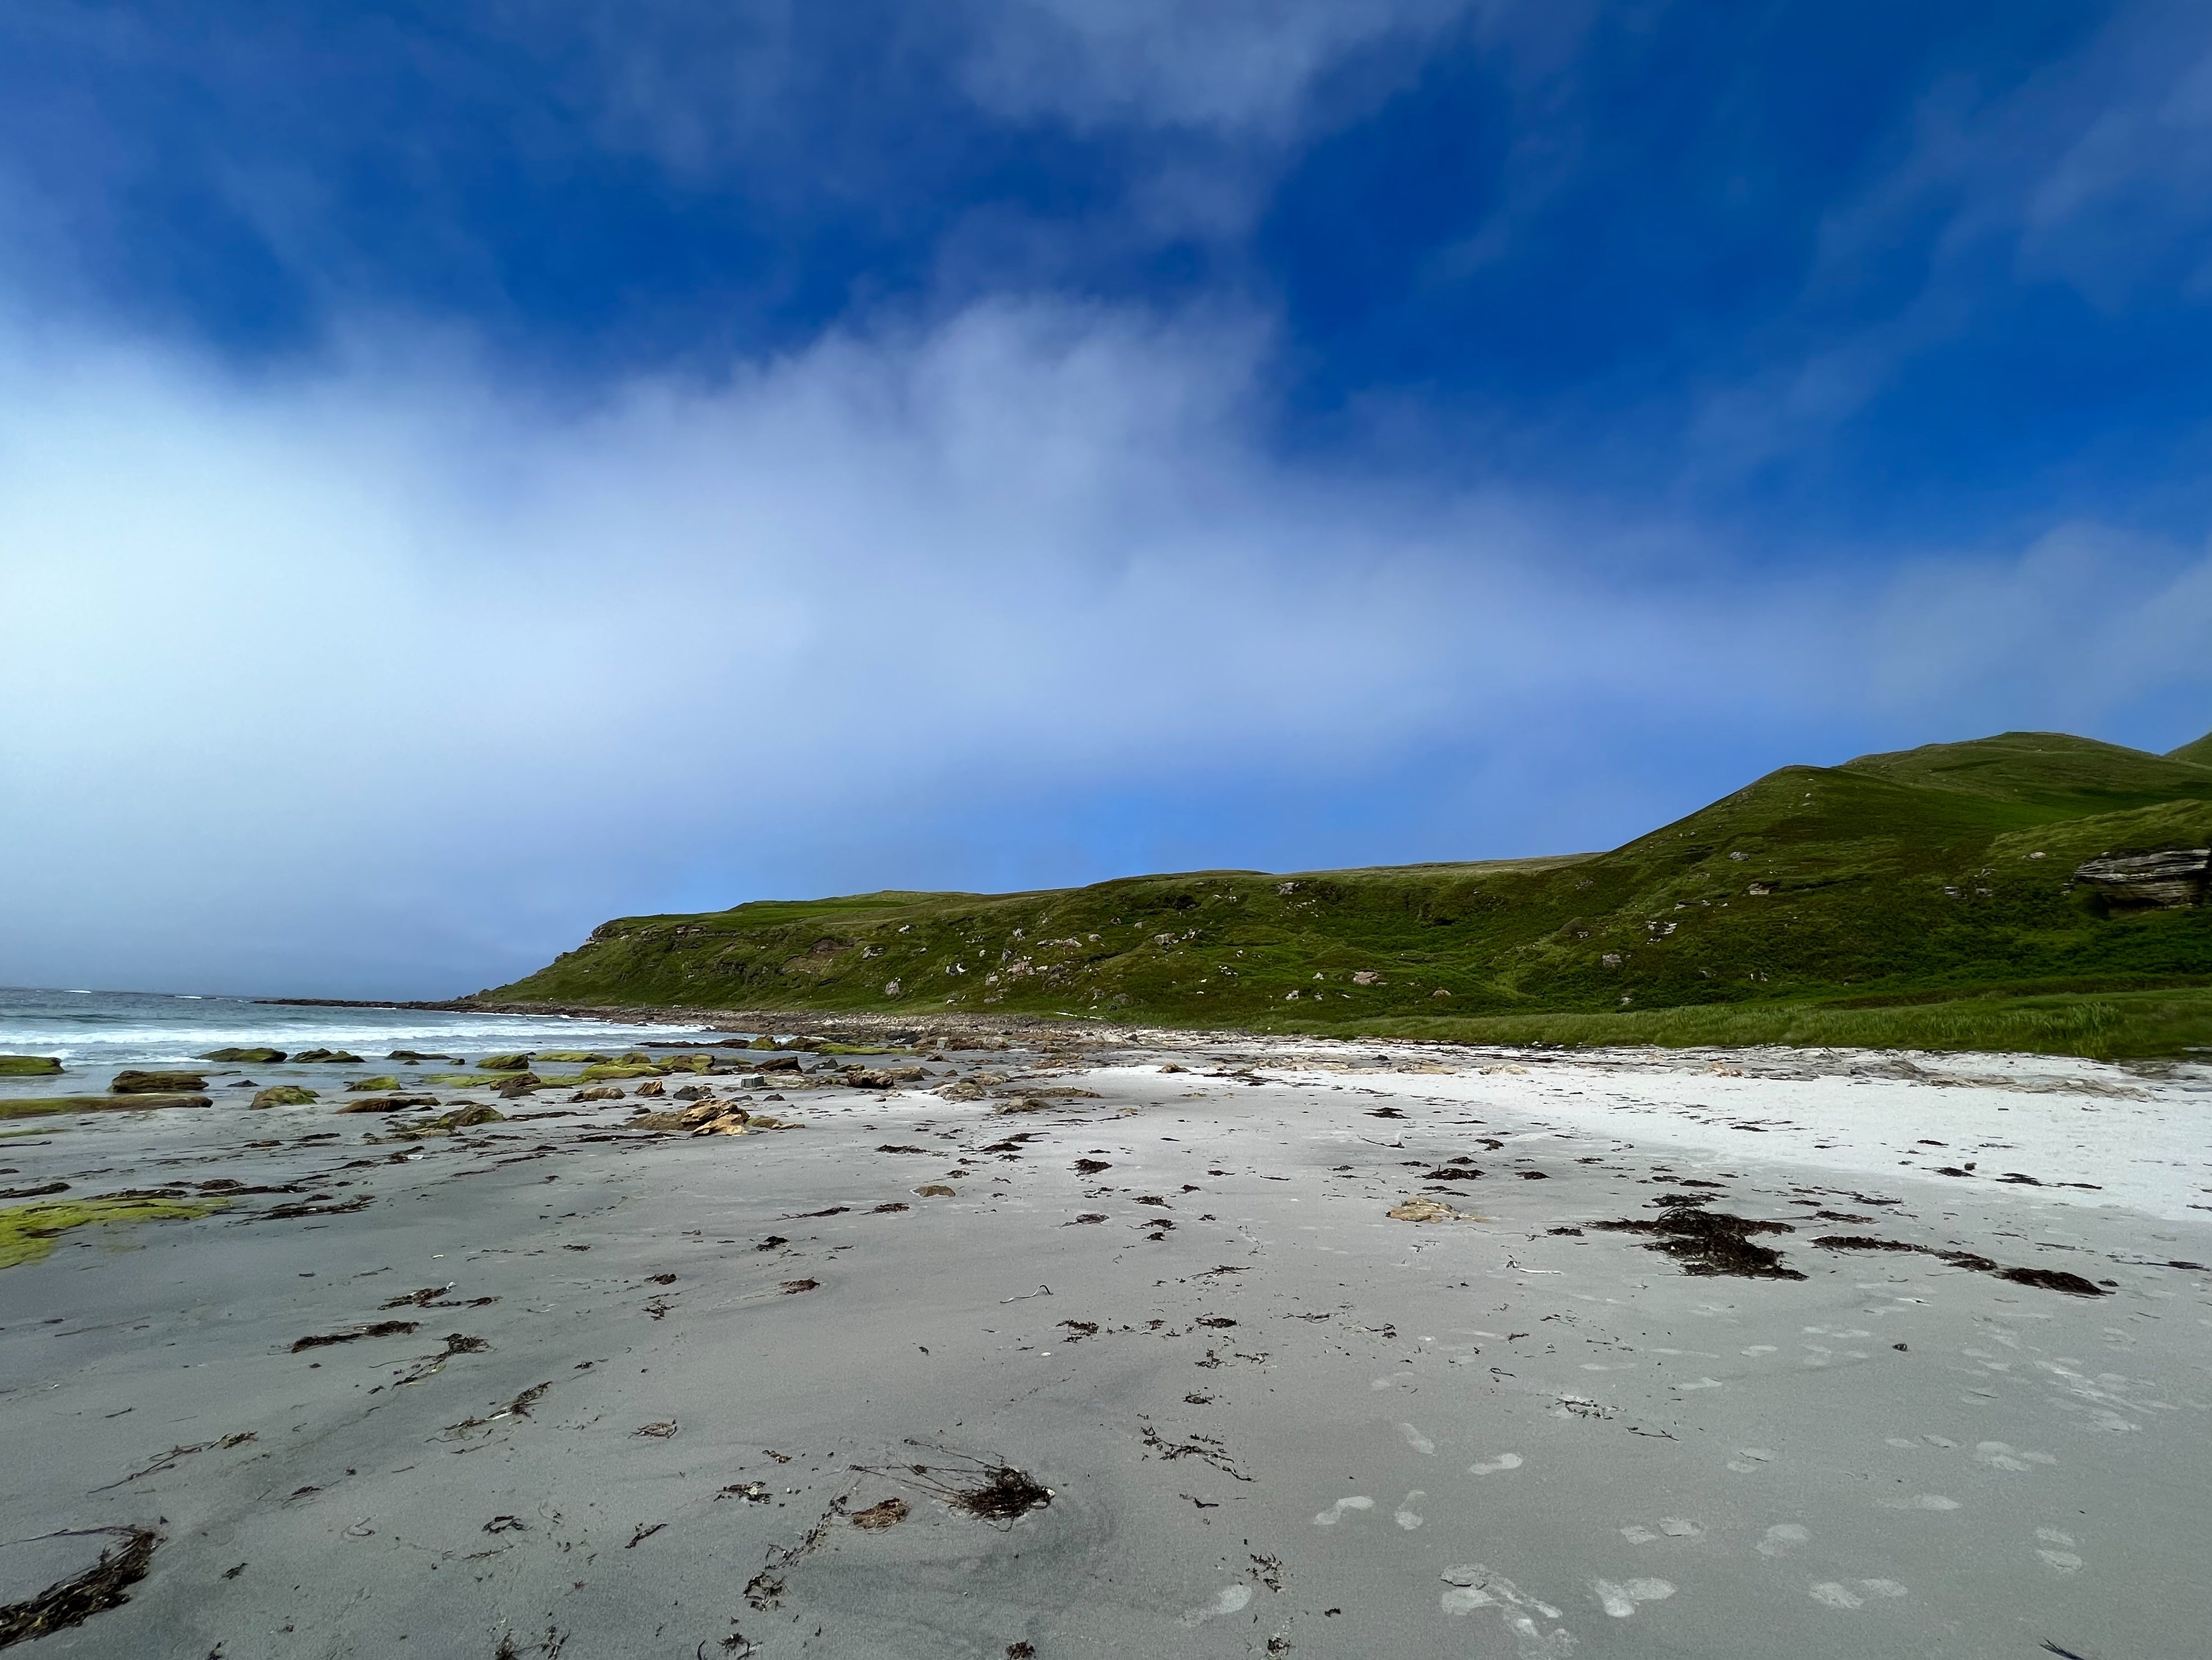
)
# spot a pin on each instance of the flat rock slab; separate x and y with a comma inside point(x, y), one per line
point(33, 1106)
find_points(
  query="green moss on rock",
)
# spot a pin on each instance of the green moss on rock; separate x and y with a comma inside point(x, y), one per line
point(40, 1106)
point(28, 1066)
point(130, 1081)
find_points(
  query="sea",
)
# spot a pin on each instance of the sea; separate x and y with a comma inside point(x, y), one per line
point(91, 1031)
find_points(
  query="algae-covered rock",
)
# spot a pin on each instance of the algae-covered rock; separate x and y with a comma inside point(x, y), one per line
point(285, 1095)
point(465, 1116)
point(619, 1069)
point(603, 1093)
point(333, 1057)
point(28, 1066)
point(253, 1057)
point(504, 1063)
point(388, 1102)
point(40, 1106)
point(369, 1085)
point(131, 1081)
point(685, 1063)
point(415, 1057)
point(521, 1084)
point(574, 1057)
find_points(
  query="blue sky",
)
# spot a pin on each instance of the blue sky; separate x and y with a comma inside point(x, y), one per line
point(468, 471)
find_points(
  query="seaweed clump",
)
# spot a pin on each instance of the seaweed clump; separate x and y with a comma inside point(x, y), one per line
point(1004, 1494)
point(105, 1585)
point(2045, 1279)
point(1710, 1243)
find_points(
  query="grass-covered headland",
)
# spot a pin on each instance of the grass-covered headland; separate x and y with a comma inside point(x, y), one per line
point(1934, 898)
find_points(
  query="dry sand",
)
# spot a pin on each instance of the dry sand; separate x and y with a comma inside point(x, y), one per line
point(654, 1385)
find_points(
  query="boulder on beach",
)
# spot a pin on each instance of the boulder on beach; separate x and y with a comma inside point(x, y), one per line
point(251, 1057)
point(369, 1085)
point(28, 1066)
point(521, 1084)
point(285, 1095)
point(415, 1057)
point(337, 1057)
point(466, 1116)
point(504, 1063)
point(388, 1102)
point(131, 1081)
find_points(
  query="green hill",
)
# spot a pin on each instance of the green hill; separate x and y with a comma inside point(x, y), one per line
point(1927, 897)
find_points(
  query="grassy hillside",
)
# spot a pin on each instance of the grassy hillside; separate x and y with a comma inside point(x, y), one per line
point(1900, 898)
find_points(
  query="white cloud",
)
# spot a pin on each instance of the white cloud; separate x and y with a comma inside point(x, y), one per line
point(1241, 65)
point(379, 673)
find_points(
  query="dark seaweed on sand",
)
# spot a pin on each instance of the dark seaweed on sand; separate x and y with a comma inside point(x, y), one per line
point(1004, 1494)
point(988, 1487)
point(2046, 1279)
point(1710, 1243)
point(105, 1585)
point(381, 1329)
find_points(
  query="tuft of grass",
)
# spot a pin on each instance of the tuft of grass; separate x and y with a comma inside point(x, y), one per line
point(28, 1231)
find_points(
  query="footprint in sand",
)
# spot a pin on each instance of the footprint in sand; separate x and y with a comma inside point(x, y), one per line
point(1405, 1516)
point(1504, 1461)
point(1334, 1513)
point(1783, 1538)
point(2001, 1456)
point(1837, 1595)
point(1935, 1501)
point(1475, 1587)
point(1618, 1597)
point(1748, 1459)
point(2063, 1559)
point(1939, 1441)
point(1675, 1528)
point(1234, 1599)
point(1758, 1349)
point(1419, 1442)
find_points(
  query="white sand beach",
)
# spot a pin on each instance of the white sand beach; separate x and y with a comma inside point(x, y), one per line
point(651, 1393)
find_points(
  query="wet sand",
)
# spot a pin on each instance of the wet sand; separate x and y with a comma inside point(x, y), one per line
point(653, 1384)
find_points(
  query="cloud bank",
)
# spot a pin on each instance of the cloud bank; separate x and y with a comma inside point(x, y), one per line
point(359, 678)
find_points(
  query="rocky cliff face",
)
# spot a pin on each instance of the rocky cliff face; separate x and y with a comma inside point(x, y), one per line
point(2169, 879)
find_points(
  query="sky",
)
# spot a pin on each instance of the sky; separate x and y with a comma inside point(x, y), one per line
point(470, 469)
